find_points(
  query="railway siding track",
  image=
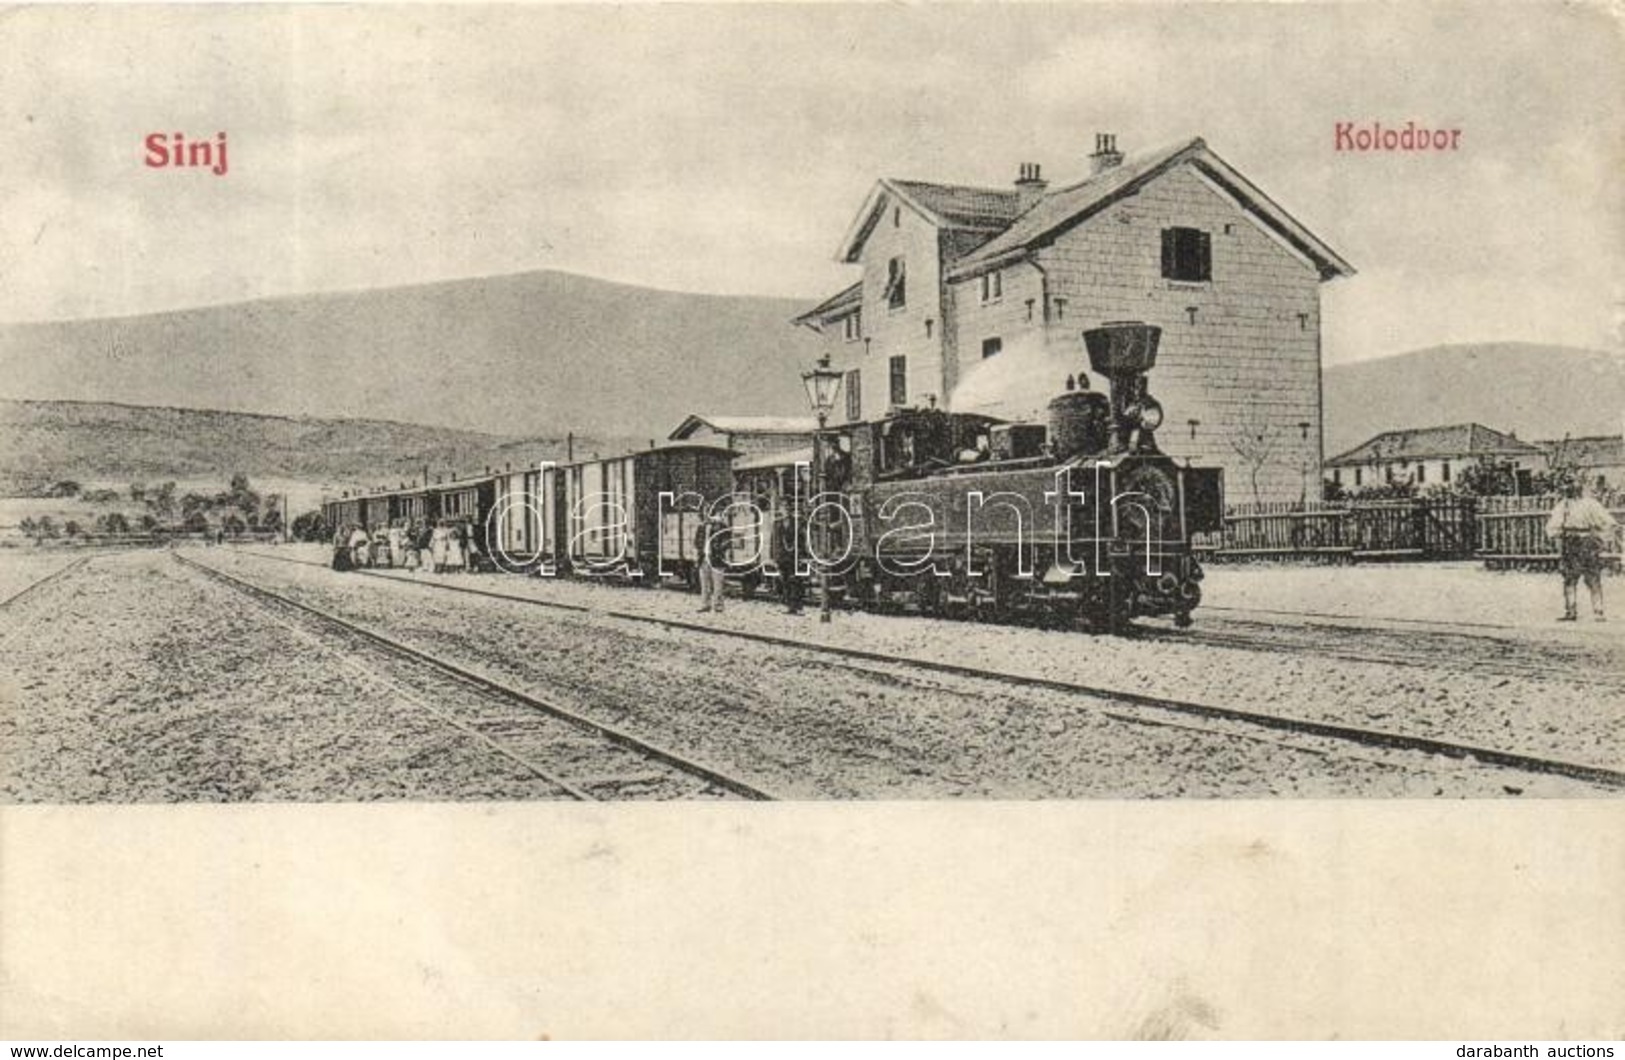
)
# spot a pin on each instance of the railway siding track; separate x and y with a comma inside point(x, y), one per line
point(60, 572)
point(1348, 735)
point(583, 758)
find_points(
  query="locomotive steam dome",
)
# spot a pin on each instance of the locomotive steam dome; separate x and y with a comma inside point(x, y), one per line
point(1122, 347)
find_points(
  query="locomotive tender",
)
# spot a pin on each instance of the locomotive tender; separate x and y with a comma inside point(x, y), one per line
point(952, 514)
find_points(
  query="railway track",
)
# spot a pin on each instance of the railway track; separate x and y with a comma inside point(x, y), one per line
point(28, 589)
point(581, 758)
point(1487, 654)
point(1350, 736)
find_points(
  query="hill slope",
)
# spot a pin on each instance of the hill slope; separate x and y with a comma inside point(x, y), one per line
point(534, 353)
point(1534, 390)
point(93, 443)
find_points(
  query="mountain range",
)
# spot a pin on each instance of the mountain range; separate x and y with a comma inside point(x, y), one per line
point(340, 389)
point(1537, 392)
point(537, 353)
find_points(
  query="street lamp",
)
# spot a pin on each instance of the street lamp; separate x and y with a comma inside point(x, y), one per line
point(1303, 434)
point(823, 385)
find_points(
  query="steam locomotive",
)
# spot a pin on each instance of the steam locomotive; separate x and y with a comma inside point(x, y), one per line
point(951, 514)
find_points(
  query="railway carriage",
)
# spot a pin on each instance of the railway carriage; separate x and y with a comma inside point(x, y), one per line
point(605, 515)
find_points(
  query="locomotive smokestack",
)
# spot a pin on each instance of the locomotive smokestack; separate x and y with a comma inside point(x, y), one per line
point(1124, 352)
point(1106, 154)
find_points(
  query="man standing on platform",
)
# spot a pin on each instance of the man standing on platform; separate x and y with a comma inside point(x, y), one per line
point(1582, 527)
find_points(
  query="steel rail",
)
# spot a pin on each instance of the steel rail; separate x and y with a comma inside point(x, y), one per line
point(478, 680)
point(59, 572)
point(1359, 735)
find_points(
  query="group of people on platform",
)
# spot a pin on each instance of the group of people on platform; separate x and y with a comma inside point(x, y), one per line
point(447, 545)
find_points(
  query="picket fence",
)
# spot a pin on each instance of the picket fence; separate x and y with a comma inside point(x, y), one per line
point(1501, 531)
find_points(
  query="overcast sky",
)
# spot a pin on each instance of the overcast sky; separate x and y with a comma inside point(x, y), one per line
point(725, 149)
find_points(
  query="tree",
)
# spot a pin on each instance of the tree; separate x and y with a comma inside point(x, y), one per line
point(194, 504)
point(138, 492)
point(149, 522)
point(1489, 478)
point(310, 526)
point(28, 527)
point(1257, 441)
point(71, 528)
point(271, 517)
point(162, 501)
point(233, 524)
point(195, 522)
point(45, 527)
point(66, 488)
point(113, 523)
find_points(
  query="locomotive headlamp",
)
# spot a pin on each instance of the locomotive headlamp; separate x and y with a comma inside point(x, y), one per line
point(1150, 413)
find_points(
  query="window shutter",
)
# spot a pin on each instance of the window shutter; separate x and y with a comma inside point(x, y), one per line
point(1204, 255)
point(1168, 243)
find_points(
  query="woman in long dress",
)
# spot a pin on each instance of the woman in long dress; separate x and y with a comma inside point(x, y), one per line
point(397, 546)
point(454, 547)
point(439, 544)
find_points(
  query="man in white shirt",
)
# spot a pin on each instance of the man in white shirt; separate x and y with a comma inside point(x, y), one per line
point(1582, 527)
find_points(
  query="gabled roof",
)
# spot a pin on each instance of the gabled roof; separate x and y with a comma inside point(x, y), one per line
point(947, 206)
point(1064, 208)
point(833, 307)
point(1602, 450)
point(743, 425)
point(1465, 439)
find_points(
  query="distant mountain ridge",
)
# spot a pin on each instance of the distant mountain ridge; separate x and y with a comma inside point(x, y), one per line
point(1532, 390)
point(42, 442)
point(454, 373)
point(532, 353)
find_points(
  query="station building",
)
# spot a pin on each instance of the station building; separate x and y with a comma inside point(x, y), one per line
point(975, 299)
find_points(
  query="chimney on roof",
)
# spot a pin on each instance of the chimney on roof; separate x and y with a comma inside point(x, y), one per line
point(1029, 186)
point(1106, 154)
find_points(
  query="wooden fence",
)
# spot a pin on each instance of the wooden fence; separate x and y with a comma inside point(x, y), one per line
point(1512, 532)
point(1503, 531)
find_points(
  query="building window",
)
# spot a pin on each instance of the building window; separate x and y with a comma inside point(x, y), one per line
point(1444, 469)
point(991, 346)
point(1421, 472)
point(1337, 475)
point(992, 286)
point(928, 325)
point(896, 283)
point(1060, 309)
point(854, 326)
point(1388, 472)
point(899, 380)
point(854, 396)
point(896, 216)
point(1187, 255)
point(1357, 476)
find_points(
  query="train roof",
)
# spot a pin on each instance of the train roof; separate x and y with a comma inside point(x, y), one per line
point(668, 447)
point(780, 458)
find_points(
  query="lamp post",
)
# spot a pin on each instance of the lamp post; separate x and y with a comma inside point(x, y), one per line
point(823, 383)
point(1303, 434)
